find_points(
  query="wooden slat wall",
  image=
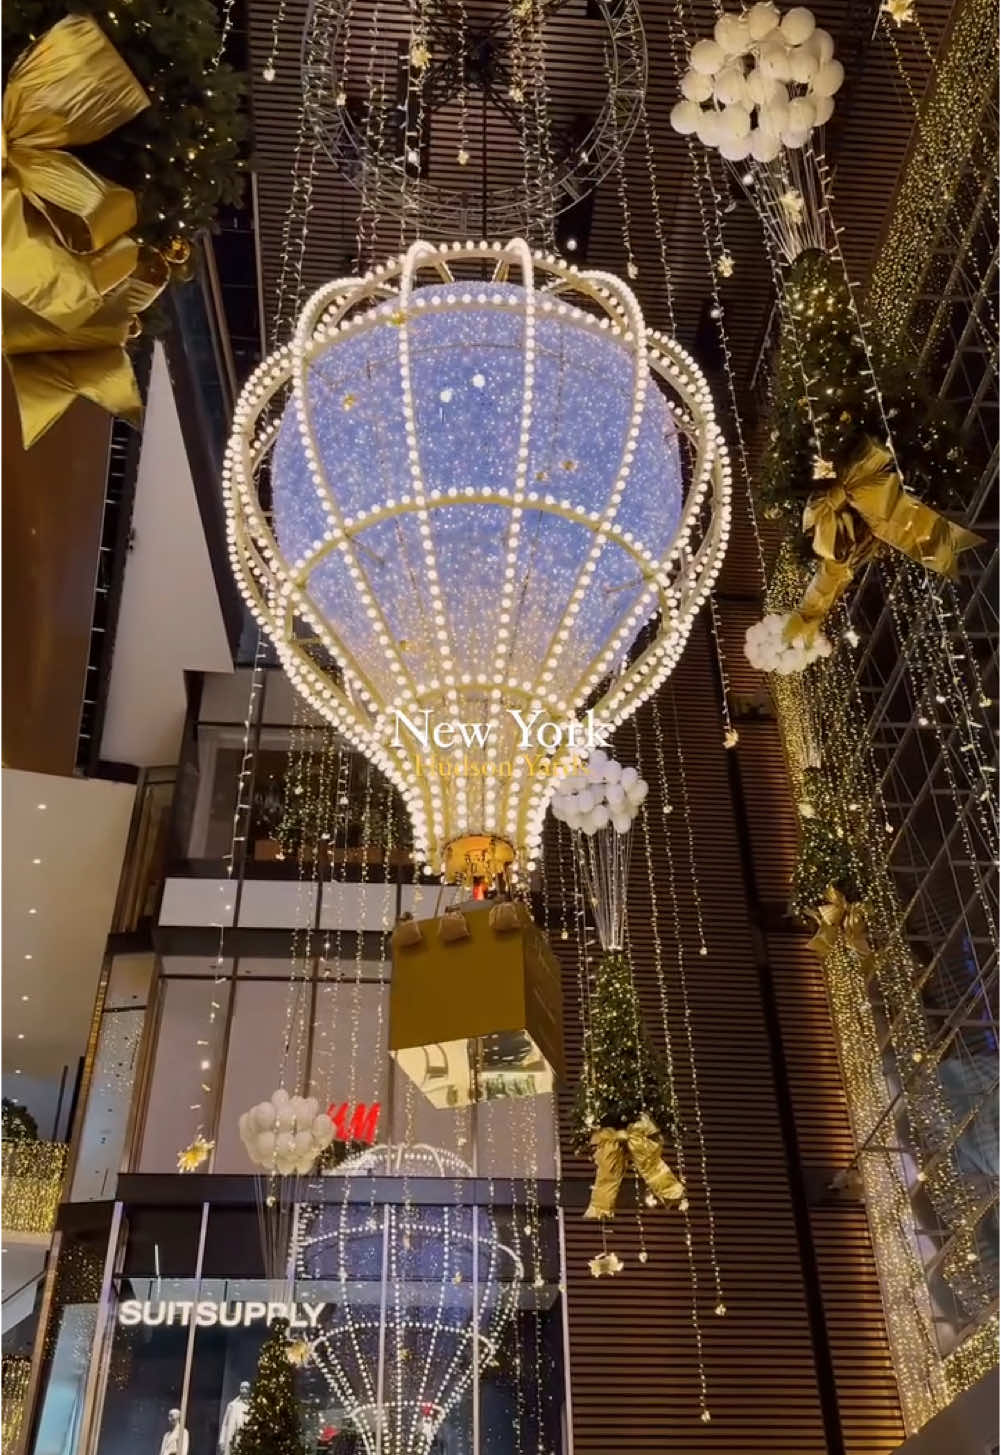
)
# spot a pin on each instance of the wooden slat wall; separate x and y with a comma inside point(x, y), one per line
point(632, 1354)
point(868, 1405)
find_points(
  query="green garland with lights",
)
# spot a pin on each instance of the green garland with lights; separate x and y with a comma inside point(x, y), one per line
point(624, 1076)
point(820, 342)
point(825, 858)
point(274, 1422)
point(182, 155)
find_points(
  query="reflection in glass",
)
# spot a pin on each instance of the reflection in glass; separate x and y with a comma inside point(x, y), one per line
point(426, 1293)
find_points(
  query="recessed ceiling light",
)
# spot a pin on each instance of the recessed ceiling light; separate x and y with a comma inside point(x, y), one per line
point(32, 911)
point(20, 1035)
point(36, 861)
point(17, 1070)
point(25, 997)
point(29, 957)
point(43, 805)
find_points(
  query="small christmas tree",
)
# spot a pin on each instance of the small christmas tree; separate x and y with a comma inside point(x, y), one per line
point(273, 1424)
point(624, 1076)
point(825, 859)
point(823, 382)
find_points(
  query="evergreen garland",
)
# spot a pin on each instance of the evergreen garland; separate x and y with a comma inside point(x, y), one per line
point(624, 1076)
point(18, 1123)
point(819, 338)
point(273, 1425)
point(824, 859)
point(181, 156)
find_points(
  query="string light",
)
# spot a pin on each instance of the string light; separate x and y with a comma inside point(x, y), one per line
point(208, 1042)
point(32, 1185)
point(16, 1376)
point(677, 1130)
point(686, 814)
point(625, 218)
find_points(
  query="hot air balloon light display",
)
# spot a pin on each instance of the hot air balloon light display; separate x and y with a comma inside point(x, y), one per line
point(474, 499)
point(399, 1359)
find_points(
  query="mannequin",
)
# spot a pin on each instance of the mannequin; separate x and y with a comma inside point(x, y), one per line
point(234, 1419)
point(175, 1441)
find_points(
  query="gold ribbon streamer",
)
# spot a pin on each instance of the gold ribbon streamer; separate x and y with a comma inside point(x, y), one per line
point(864, 510)
point(838, 919)
point(73, 279)
point(612, 1151)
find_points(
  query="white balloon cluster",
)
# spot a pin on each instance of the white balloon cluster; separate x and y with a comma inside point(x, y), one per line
point(768, 647)
point(780, 67)
point(287, 1133)
point(605, 793)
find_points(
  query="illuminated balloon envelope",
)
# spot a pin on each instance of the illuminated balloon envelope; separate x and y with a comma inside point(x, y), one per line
point(423, 1293)
point(473, 498)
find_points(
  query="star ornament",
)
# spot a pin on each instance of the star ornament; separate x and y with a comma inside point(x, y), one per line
point(901, 12)
point(731, 738)
point(606, 1265)
point(192, 1156)
point(792, 204)
point(725, 265)
point(297, 1353)
point(822, 469)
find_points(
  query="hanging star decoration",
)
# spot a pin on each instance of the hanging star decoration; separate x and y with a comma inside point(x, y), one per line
point(725, 265)
point(731, 738)
point(792, 204)
point(341, 99)
point(297, 1352)
point(822, 469)
point(901, 12)
point(606, 1265)
point(420, 56)
point(192, 1157)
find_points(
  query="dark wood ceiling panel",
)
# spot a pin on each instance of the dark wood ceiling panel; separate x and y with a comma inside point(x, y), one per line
point(867, 142)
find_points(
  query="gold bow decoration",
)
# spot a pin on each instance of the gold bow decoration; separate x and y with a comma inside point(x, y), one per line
point(73, 279)
point(613, 1150)
point(838, 919)
point(866, 509)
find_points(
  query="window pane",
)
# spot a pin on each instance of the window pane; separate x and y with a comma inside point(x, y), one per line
point(517, 1137)
point(190, 1033)
point(102, 1139)
point(350, 1061)
point(268, 1016)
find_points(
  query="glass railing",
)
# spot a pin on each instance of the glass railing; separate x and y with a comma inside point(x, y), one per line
point(32, 1185)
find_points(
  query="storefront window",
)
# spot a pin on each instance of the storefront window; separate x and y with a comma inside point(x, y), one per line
point(189, 1043)
point(418, 1314)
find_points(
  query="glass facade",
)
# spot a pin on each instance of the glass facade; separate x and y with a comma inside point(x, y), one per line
point(416, 1311)
point(429, 1249)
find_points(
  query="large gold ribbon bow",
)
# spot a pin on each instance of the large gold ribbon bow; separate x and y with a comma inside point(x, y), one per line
point(612, 1151)
point(866, 507)
point(838, 919)
point(73, 280)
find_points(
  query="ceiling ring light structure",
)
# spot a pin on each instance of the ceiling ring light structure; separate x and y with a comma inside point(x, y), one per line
point(476, 490)
point(482, 54)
